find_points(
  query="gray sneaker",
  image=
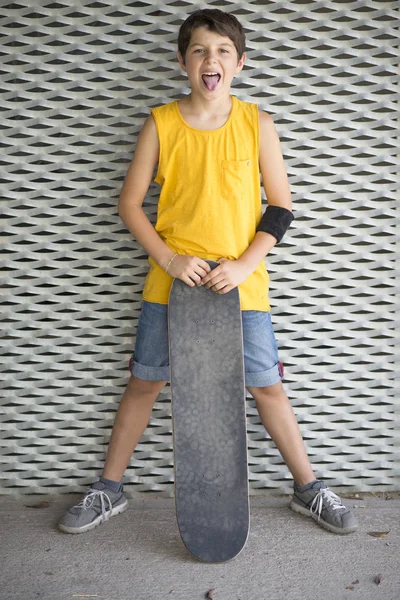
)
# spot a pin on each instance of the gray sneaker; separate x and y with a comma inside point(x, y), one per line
point(97, 506)
point(325, 507)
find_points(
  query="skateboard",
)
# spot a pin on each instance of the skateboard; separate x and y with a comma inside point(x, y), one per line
point(208, 420)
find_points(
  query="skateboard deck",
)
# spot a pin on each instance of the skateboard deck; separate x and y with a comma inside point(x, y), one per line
point(209, 420)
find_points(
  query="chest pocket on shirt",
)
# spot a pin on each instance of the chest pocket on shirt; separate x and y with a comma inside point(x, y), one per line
point(235, 178)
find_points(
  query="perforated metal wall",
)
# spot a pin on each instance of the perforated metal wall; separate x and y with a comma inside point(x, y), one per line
point(78, 80)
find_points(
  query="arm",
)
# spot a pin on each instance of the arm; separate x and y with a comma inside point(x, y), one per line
point(137, 180)
point(133, 192)
point(229, 274)
point(276, 186)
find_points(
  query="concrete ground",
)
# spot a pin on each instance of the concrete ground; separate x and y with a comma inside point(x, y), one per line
point(139, 555)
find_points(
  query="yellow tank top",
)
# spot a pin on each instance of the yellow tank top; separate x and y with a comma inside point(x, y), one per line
point(210, 200)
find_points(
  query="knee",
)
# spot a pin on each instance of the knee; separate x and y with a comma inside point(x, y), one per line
point(268, 393)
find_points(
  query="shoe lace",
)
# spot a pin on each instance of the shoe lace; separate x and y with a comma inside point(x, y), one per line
point(90, 498)
point(332, 500)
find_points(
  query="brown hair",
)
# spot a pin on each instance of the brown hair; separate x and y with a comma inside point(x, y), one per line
point(224, 24)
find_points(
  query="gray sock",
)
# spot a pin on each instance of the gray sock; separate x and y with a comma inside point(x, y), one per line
point(307, 486)
point(114, 486)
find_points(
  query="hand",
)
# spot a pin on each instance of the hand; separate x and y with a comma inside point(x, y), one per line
point(191, 269)
point(225, 277)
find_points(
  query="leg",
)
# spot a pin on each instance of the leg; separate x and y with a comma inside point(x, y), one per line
point(318, 502)
point(100, 502)
point(130, 422)
point(279, 420)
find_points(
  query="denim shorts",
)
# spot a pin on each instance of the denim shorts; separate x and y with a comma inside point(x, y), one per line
point(150, 358)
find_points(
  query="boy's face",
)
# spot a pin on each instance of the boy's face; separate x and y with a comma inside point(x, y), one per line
point(209, 52)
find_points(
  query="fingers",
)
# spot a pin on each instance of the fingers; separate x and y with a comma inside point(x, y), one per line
point(192, 270)
point(205, 266)
point(217, 282)
point(200, 270)
point(225, 290)
point(214, 277)
point(218, 287)
point(189, 281)
point(212, 273)
point(195, 279)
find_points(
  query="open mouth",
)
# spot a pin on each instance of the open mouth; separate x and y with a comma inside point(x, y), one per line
point(211, 80)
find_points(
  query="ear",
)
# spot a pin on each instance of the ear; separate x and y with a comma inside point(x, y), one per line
point(241, 63)
point(181, 61)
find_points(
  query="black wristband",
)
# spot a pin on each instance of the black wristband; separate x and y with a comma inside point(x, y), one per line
point(275, 221)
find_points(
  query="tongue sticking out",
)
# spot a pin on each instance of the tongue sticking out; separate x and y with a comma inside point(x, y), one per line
point(211, 81)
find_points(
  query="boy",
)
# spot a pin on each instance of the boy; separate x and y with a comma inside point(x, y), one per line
point(210, 148)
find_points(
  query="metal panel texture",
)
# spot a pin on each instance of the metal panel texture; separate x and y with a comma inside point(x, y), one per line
point(78, 81)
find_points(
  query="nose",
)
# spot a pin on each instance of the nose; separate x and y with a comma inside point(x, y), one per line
point(210, 56)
